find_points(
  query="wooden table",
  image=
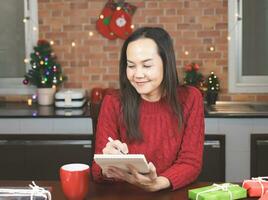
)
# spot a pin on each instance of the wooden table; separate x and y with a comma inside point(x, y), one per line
point(118, 191)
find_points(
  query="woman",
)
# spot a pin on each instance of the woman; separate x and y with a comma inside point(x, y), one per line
point(152, 115)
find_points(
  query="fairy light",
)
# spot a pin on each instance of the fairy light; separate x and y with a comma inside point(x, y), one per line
point(30, 102)
point(132, 26)
point(229, 38)
point(211, 48)
point(73, 44)
point(51, 42)
point(118, 8)
point(186, 53)
point(26, 60)
point(34, 28)
point(101, 17)
point(90, 33)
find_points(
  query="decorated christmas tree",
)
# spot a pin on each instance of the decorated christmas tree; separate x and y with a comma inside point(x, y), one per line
point(45, 71)
point(213, 88)
point(212, 83)
point(193, 77)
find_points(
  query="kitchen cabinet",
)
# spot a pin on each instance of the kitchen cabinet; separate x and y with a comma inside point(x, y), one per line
point(213, 169)
point(237, 131)
point(258, 155)
point(39, 157)
point(35, 141)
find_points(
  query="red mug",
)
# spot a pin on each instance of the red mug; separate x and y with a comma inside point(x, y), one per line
point(74, 180)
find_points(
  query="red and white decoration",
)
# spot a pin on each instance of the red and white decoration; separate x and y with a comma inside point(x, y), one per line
point(115, 20)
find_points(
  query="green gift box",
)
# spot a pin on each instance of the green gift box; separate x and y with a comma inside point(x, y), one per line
point(218, 192)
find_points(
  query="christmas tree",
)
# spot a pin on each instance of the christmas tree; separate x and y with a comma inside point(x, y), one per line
point(192, 76)
point(45, 71)
point(212, 83)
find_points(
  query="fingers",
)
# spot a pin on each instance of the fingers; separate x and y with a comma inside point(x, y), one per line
point(115, 147)
point(152, 174)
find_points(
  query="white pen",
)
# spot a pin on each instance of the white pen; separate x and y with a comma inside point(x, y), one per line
point(111, 140)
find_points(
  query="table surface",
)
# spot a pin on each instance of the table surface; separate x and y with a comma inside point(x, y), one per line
point(112, 191)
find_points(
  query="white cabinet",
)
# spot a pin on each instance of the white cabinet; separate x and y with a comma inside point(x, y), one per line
point(237, 133)
point(46, 125)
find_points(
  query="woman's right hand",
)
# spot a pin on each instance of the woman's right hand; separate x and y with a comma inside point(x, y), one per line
point(115, 147)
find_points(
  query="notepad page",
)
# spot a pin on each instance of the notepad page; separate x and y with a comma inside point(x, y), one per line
point(121, 161)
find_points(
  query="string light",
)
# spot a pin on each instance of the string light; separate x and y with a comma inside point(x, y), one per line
point(30, 102)
point(101, 17)
point(90, 33)
point(73, 44)
point(186, 53)
point(118, 8)
point(26, 60)
point(51, 42)
point(132, 26)
point(34, 28)
point(211, 48)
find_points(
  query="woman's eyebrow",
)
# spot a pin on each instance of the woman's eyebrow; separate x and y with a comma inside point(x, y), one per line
point(149, 59)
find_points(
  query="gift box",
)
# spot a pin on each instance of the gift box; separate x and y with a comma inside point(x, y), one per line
point(264, 197)
point(218, 192)
point(256, 187)
point(33, 192)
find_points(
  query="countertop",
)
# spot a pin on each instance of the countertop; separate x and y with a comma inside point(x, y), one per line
point(23, 110)
point(220, 110)
point(228, 109)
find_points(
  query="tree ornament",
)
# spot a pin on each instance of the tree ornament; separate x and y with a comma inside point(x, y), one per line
point(25, 82)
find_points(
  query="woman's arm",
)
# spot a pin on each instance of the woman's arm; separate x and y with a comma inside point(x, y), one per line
point(107, 127)
point(189, 160)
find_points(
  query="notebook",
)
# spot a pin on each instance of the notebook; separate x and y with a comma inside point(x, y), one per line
point(121, 161)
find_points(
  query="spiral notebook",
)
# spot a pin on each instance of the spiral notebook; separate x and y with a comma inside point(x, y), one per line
point(121, 161)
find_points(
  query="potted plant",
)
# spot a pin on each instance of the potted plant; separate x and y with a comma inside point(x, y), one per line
point(213, 88)
point(45, 73)
point(193, 77)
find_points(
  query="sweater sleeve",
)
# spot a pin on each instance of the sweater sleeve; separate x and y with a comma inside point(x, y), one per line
point(107, 127)
point(187, 166)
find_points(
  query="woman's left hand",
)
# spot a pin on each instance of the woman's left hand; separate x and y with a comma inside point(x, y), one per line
point(149, 182)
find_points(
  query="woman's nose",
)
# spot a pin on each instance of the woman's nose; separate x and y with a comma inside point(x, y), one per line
point(139, 72)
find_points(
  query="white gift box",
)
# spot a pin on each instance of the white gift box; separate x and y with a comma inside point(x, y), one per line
point(70, 98)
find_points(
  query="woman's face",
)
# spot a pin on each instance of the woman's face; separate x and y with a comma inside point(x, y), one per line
point(145, 68)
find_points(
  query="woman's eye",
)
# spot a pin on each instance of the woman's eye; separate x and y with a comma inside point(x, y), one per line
point(147, 66)
point(130, 66)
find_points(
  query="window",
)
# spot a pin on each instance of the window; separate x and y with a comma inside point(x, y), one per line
point(18, 24)
point(248, 46)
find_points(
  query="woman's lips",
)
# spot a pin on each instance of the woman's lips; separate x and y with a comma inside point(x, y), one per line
point(141, 82)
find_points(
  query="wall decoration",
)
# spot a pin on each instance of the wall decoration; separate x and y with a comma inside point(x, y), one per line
point(115, 20)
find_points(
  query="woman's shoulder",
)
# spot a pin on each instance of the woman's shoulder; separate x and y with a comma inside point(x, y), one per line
point(188, 94)
point(112, 98)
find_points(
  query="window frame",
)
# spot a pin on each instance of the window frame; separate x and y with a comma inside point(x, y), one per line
point(237, 82)
point(14, 86)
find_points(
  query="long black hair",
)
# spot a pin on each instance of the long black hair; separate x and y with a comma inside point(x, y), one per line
point(130, 98)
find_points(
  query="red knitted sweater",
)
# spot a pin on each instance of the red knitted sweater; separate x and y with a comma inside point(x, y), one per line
point(176, 154)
